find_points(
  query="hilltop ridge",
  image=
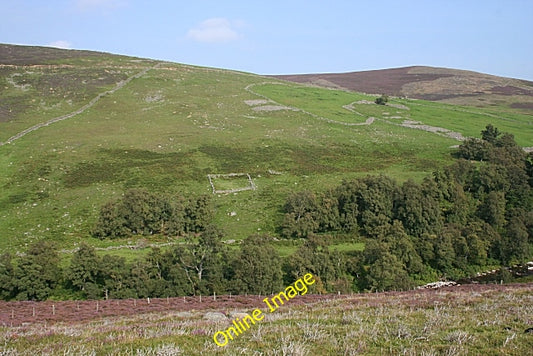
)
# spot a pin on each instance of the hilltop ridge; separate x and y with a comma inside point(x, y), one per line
point(428, 83)
point(35, 55)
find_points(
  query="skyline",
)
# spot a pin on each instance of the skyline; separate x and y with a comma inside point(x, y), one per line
point(288, 37)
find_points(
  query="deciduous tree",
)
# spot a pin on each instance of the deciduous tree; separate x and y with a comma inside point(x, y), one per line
point(202, 260)
point(257, 267)
point(7, 277)
point(301, 215)
point(38, 272)
point(84, 271)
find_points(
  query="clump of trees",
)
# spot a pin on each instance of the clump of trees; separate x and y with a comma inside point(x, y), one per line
point(35, 275)
point(474, 213)
point(202, 265)
point(139, 212)
point(477, 212)
point(192, 268)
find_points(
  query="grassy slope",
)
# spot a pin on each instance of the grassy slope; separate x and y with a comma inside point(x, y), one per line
point(170, 128)
point(467, 320)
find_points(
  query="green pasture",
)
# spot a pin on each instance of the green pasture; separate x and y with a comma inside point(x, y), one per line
point(169, 129)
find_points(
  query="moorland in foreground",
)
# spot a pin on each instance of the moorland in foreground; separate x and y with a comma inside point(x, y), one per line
point(463, 320)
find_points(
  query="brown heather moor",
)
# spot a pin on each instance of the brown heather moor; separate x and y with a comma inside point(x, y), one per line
point(464, 320)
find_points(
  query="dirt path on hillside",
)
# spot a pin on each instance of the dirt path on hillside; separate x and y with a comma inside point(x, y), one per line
point(274, 106)
point(87, 106)
point(407, 123)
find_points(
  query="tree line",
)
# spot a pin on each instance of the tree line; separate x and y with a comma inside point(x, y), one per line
point(201, 266)
point(475, 213)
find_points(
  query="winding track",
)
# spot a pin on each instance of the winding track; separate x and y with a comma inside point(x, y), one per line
point(90, 104)
point(369, 119)
point(248, 88)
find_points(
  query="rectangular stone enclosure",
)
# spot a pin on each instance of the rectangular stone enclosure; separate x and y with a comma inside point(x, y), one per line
point(230, 183)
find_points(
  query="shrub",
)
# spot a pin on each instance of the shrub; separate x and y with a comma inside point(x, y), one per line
point(382, 100)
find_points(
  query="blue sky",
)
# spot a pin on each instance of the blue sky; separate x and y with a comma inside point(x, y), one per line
point(280, 37)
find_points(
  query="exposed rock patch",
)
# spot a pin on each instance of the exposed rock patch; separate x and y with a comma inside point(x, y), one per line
point(434, 129)
point(256, 102)
point(215, 316)
point(271, 108)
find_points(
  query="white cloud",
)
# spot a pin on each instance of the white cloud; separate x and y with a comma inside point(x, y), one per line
point(61, 44)
point(215, 30)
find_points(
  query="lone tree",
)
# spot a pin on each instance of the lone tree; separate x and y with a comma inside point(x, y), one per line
point(490, 134)
point(382, 100)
